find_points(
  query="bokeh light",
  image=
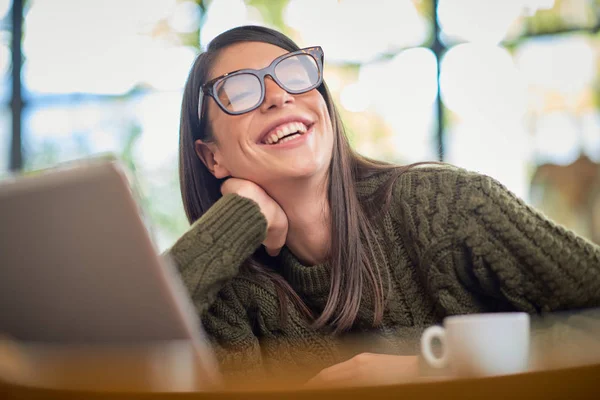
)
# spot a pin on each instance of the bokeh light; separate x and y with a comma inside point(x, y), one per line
point(101, 58)
point(223, 15)
point(557, 138)
point(108, 76)
point(186, 17)
point(482, 86)
point(480, 79)
point(4, 60)
point(484, 21)
point(5, 6)
point(566, 64)
point(364, 31)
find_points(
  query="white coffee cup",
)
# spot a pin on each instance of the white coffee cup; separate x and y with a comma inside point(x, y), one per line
point(480, 344)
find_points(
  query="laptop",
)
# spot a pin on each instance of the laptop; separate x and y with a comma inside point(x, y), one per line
point(77, 265)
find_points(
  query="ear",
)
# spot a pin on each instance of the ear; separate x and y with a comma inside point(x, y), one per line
point(210, 155)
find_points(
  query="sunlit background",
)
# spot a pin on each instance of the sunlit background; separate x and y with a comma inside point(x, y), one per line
point(519, 88)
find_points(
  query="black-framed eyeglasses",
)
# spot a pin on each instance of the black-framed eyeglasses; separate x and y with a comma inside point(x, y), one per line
point(242, 91)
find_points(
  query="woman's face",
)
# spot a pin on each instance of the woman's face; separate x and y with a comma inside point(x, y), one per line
point(243, 145)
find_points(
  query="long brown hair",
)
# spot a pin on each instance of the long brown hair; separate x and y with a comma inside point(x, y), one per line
point(354, 245)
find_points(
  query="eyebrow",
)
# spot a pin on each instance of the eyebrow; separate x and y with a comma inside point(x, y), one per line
point(248, 69)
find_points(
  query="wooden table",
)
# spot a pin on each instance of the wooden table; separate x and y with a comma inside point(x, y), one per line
point(170, 370)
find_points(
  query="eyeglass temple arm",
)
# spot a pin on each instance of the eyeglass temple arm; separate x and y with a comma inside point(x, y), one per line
point(201, 104)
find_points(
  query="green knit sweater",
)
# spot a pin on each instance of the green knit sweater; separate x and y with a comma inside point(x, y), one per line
point(455, 242)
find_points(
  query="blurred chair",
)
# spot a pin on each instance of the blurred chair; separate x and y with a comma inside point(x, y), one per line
point(570, 195)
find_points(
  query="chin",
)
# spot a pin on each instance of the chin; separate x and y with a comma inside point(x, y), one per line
point(306, 169)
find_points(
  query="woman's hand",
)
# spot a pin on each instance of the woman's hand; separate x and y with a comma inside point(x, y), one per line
point(369, 369)
point(277, 222)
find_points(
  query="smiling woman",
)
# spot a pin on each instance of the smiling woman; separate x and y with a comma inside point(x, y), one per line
point(296, 241)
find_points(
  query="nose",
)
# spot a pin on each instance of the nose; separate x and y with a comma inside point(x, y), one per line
point(275, 96)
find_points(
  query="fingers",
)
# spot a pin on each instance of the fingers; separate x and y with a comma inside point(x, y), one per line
point(226, 185)
point(337, 368)
point(337, 374)
point(274, 243)
point(273, 252)
point(276, 231)
point(344, 372)
point(231, 185)
point(277, 222)
point(344, 377)
point(368, 368)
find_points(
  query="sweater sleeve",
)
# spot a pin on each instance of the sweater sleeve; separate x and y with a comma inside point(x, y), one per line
point(230, 329)
point(208, 257)
point(211, 252)
point(512, 251)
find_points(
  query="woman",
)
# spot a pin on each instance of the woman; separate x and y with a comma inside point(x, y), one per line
point(349, 245)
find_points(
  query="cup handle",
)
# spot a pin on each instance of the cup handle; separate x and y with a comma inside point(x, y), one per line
point(431, 333)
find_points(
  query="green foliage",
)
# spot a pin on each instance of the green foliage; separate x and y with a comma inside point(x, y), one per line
point(135, 132)
point(272, 12)
point(566, 14)
point(47, 154)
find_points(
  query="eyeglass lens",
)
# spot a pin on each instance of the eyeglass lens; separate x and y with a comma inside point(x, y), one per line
point(242, 92)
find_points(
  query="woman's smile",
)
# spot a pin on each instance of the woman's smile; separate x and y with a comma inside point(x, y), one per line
point(287, 132)
point(288, 136)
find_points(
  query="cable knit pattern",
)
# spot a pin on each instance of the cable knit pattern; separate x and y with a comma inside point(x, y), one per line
point(538, 264)
point(454, 242)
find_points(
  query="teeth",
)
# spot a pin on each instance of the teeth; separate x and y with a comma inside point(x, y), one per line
point(288, 138)
point(284, 130)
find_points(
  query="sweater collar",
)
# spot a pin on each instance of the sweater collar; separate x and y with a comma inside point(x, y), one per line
point(308, 282)
point(314, 281)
